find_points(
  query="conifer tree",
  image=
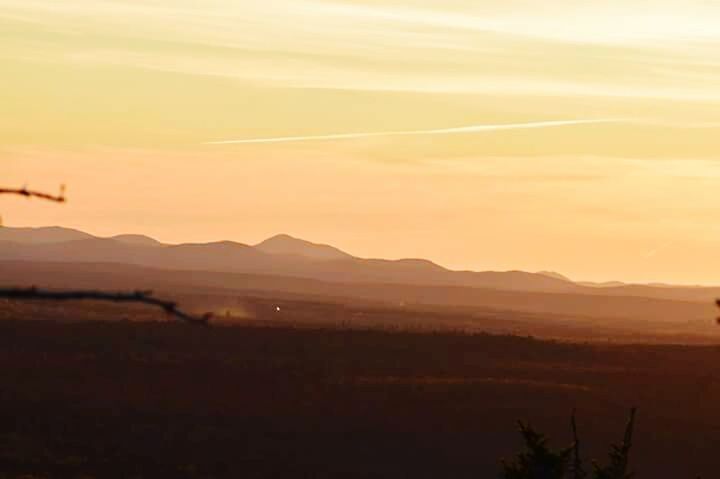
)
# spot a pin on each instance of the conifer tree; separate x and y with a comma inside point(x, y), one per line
point(537, 461)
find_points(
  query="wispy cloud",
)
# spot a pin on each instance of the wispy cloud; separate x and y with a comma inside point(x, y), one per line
point(437, 131)
point(614, 49)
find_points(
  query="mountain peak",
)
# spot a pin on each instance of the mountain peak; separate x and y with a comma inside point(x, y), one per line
point(283, 237)
point(284, 244)
point(42, 235)
point(136, 239)
point(553, 274)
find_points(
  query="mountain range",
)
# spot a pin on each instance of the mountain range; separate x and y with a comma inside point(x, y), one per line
point(216, 275)
point(280, 255)
point(287, 256)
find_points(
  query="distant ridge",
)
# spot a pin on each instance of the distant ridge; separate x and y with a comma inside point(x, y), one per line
point(286, 255)
point(140, 240)
point(553, 274)
point(604, 284)
point(42, 235)
point(289, 245)
point(279, 255)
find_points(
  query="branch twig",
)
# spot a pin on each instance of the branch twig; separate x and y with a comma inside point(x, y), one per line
point(24, 191)
point(133, 297)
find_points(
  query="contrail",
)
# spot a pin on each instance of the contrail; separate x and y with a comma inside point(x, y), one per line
point(653, 252)
point(439, 131)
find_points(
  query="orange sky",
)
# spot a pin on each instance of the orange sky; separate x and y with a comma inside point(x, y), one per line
point(582, 139)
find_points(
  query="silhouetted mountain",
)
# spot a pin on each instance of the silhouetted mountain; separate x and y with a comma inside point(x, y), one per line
point(84, 250)
point(553, 274)
point(218, 256)
point(603, 284)
point(139, 240)
point(280, 255)
point(49, 234)
point(287, 245)
point(291, 257)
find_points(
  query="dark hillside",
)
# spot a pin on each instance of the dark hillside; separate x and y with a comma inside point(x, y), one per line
point(120, 399)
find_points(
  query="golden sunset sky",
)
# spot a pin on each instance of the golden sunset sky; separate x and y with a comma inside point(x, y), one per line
point(575, 136)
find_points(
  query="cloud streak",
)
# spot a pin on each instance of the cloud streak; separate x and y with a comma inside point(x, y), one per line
point(653, 252)
point(428, 132)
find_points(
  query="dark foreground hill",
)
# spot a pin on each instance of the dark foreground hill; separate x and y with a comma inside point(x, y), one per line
point(126, 399)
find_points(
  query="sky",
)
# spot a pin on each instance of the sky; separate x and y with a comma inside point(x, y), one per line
point(580, 137)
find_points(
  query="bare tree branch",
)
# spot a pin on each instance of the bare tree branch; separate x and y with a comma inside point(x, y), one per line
point(132, 297)
point(145, 297)
point(24, 191)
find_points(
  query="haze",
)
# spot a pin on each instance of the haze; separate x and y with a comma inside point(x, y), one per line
point(577, 137)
